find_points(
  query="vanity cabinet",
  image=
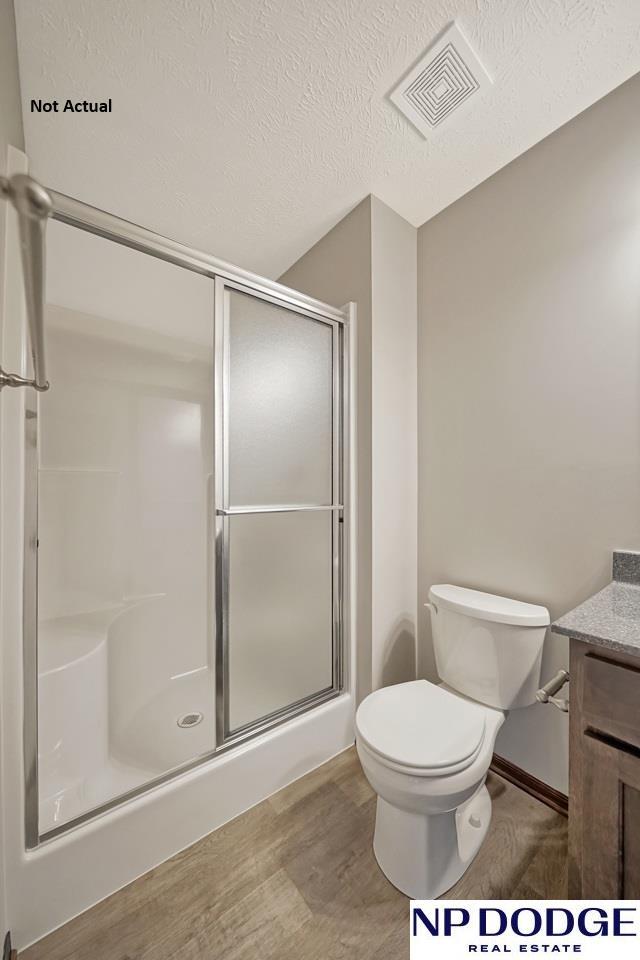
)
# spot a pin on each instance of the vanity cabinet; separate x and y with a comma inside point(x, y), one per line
point(604, 774)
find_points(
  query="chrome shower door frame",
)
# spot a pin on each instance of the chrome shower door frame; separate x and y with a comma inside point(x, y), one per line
point(226, 736)
point(225, 276)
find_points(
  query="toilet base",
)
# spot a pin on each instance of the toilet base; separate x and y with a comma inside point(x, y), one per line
point(423, 855)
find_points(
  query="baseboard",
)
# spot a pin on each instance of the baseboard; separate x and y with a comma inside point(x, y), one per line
point(530, 784)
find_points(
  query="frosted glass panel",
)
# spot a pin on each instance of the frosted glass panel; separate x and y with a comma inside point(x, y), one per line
point(280, 405)
point(125, 494)
point(280, 623)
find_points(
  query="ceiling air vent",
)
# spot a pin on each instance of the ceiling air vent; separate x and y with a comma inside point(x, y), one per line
point(446, 76)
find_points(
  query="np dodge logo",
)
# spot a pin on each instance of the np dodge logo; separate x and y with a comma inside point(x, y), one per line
point(457, 928)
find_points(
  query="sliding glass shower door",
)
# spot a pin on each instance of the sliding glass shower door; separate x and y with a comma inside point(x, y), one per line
point(278, 509)
point(125, 652)
point(184, 516)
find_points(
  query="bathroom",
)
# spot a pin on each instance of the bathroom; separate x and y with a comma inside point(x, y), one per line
point(336, 473)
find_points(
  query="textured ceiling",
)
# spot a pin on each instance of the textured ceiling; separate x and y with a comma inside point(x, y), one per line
point(249, 127)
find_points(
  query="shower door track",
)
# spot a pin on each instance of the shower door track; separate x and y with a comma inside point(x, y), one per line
point(226, 276)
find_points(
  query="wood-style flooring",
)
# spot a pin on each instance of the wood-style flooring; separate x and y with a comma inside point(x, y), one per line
point(295, 879)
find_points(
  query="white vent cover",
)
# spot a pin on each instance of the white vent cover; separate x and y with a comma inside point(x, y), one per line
point(443, 79)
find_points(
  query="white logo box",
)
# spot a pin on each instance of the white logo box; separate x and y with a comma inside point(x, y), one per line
point(445, 929)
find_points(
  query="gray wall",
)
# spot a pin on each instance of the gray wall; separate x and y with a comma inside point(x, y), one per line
point(337, 269)
point(10, 134)
point(10, 105)
point(529, 386)
point(394, 472)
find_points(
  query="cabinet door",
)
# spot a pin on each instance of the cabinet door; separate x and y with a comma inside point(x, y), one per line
point(610, 828)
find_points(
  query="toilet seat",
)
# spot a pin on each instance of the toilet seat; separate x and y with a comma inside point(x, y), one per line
point(421, 728)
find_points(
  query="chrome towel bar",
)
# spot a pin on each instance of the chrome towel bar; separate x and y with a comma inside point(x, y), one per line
point(34, 207)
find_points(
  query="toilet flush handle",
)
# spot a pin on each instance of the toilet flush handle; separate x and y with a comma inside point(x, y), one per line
point(547, 693)
point(431, 606)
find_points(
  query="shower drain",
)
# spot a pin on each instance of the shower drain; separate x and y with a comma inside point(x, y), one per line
point(190, 719)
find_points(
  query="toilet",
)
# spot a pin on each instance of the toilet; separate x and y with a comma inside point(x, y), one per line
point(425, 748)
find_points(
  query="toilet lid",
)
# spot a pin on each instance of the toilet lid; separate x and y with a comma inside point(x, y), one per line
point(418, 724)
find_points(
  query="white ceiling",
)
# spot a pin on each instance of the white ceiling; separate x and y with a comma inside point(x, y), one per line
point(249, 127)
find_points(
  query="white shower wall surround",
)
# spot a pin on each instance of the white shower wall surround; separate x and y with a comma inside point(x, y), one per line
point(134, 692)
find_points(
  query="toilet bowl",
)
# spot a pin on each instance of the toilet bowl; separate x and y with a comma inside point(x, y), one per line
point(426, 751)
point(426, 748)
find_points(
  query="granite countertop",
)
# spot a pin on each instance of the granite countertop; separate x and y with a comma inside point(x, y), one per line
point(610, 618)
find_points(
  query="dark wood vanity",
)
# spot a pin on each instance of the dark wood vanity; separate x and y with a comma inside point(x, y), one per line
point(604, 775)
point(604, 747)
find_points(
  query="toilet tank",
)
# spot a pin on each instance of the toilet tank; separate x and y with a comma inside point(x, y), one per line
point(489, 648)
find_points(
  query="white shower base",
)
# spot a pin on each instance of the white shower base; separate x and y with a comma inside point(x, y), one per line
point(60, 803)
point(90, 750)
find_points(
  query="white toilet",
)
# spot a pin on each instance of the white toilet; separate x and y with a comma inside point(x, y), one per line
point(426, 748)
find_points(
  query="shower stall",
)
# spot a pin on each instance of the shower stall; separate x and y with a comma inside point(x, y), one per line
point(185, 494)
